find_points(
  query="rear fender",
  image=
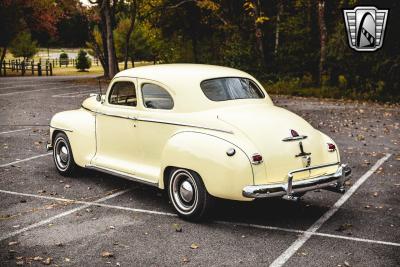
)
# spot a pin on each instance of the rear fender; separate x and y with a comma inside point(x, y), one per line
point(223, 176)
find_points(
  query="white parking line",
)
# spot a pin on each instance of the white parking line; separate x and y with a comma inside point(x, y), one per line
point(14, 131)
point(44, 89)
point(73, 94)
point(266, 227)
point(288, 253)
point(28, 85)
point(274, 228)
point(8, 235)
point(23, 160)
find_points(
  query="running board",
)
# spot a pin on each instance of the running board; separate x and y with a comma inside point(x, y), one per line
point(121, 175)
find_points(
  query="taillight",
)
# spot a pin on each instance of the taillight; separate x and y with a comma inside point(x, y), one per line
point(256, 159)
point(331, 147)
point(294, 133)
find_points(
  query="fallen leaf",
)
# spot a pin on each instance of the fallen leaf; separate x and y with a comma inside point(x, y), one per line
point(47, 261)
point(111, 227)
point(185, 260)
point(347, 263)
point(19, 263)
point(12, 243)
point(107, 254)
point(375, 194)
point(194, 246)
point(37, 258)
point(67, 259)
point(67, 186)
point(177, 227)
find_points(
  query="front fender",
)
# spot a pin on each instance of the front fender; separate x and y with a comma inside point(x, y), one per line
point(79, 125)
point(223, 176)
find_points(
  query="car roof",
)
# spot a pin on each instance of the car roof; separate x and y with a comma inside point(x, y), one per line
point(166, 73)
point(183, 82)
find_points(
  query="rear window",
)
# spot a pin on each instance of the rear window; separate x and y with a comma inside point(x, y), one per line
point(222, 89)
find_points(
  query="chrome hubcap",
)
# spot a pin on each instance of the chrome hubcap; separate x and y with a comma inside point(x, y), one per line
point(61, 154)
point(64, 154)
point(184, 192)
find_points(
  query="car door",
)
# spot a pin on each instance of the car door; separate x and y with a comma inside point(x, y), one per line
point(117, 146)
point(154, 126)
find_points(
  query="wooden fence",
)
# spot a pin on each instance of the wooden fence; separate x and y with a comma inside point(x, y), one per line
point(24, 67)
point(40, 67)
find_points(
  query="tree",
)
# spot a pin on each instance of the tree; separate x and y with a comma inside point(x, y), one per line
point(142, 44)
point(64, 59)
point(253, 7)
point(24, 46)
point(34, 16)
point(107, 13)
point(323, 41)
point(278, 21)
point(83, 62)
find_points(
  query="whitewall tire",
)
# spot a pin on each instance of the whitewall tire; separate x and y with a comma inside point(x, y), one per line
point(62, 155)
point(188, 195)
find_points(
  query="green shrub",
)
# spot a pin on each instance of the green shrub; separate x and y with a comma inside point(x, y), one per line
point(83, 62)
point(64, 59)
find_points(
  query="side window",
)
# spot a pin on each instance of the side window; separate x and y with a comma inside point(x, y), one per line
point(123, 93)
point(156, 97)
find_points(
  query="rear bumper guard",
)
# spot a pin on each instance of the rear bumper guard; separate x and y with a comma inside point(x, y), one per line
point(333, 182)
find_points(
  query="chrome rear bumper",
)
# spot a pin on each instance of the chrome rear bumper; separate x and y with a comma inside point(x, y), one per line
point(333, 182)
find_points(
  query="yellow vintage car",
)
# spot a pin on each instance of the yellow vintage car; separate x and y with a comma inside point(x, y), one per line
point(199, 132)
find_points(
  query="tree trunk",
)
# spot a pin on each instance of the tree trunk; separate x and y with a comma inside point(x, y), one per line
point(104, 42)
point(323, 37)
point(112, 59)
point(278, 21)
point(3, 55)
point(129, 33)
point(133, 62)
point(258, 33)
point(126, 48)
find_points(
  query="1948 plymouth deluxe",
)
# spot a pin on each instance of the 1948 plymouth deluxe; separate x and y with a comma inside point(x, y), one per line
point(199, 132)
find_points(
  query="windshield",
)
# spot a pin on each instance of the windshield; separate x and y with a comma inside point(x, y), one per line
point(222, 89)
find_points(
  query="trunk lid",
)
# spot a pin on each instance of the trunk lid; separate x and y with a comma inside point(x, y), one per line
point(266, 126)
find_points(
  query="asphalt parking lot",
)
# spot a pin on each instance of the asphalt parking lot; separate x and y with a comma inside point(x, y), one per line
point(95, 219)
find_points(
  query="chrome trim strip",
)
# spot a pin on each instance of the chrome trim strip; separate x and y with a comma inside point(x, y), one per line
point(312, 168)
point(290, 139)
point(160, 121)
point(56, 128)
point(333, 181)
point(121, 174)
point(184, 124)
